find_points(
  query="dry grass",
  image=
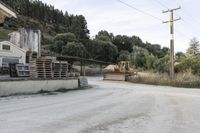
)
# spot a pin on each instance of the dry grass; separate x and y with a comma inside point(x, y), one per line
point(186, 80)
point(89, 71)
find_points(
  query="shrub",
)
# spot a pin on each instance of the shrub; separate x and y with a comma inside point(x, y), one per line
point(186, 80)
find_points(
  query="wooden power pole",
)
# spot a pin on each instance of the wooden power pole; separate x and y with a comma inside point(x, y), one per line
point(171, 21)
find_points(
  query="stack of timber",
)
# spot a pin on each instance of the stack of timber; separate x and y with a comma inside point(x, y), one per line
point(41, 68)
point(60, 69)
point(47, 68)
point(33, 68)
point(44, 68)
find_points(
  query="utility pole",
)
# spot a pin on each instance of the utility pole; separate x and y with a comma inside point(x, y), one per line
point(171, 21)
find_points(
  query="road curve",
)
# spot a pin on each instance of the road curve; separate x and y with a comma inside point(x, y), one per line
point(109, 107)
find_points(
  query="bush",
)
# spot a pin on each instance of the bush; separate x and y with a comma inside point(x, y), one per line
point(190, 63)
point(186, 80)
point(65, 37)
point(162, 65)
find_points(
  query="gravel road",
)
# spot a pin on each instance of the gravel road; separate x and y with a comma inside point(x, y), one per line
point(109, 107)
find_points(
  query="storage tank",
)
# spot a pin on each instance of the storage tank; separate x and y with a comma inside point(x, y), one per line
point(27, 39)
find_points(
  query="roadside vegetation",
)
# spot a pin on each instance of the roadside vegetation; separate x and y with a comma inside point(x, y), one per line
point(185, 80)
point(187, 68)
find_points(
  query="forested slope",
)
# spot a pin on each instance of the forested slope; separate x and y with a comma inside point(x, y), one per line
point(68, 34)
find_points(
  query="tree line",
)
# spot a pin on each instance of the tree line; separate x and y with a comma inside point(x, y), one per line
point(36, 14)
point(107, 47)
point(68, 35)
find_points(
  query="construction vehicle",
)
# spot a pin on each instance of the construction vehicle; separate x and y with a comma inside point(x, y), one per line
point(120, 72)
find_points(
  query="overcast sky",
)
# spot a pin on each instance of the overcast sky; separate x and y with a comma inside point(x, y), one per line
point(113, 16)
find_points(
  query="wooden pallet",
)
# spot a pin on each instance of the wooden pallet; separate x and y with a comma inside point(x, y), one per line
point(45, 68)
point(60, 69)
point(41, 68)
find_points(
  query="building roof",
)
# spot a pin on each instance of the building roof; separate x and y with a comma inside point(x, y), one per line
point(9, 43)
point(6, 11)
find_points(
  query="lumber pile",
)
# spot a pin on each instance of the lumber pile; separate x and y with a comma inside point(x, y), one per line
point(47, 68)
point(60, 69)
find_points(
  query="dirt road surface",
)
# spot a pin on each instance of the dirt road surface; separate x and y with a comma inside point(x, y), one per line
point(109, 107)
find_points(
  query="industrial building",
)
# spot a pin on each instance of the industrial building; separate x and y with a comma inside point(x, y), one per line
point(22, 46)
point(27, 39)
point(10, 53)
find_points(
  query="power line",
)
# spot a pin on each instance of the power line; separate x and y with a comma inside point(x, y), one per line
point(194, 19)
point(141, 11)
point(188, 14)
point(182, 34)
point(145, 13)
point(183, 20)
point(191, 26)
point(171, 21)
point(161, 4)
point(176, 2)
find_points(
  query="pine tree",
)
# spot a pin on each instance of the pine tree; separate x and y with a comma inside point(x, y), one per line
point(194, 47)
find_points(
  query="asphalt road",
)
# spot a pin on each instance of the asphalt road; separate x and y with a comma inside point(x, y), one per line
point(109, 107)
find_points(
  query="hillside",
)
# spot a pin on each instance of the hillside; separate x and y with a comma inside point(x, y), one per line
point(68, 34)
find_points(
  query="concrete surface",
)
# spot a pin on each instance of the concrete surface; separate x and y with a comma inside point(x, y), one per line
point(109, 107)
point(34, 86)
point(83, 81)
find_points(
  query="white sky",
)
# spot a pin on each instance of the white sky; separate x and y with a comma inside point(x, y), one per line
point(117, 18)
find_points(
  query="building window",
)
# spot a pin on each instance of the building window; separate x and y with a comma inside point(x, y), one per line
point(6, 47)
point(7, 61)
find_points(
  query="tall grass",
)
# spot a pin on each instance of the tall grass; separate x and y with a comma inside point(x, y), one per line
point(186, 80)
